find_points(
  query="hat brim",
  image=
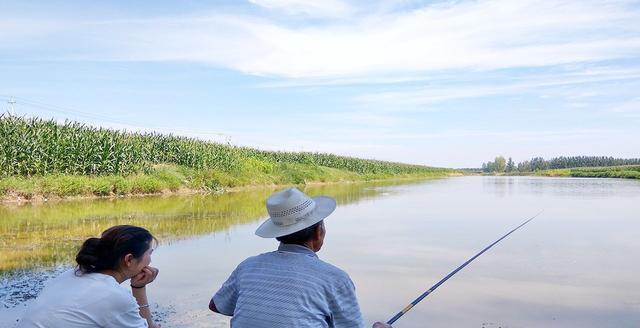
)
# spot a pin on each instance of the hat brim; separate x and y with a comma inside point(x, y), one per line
point(324, 207)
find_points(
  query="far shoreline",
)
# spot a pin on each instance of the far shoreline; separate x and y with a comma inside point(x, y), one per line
point(10, 196)
point(619, 172)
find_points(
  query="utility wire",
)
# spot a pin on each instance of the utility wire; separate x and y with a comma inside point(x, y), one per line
point(131, 124)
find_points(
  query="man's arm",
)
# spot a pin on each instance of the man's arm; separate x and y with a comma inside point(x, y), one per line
point(212, 306)
point(224, 300)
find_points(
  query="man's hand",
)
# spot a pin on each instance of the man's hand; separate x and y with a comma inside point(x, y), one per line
point(146, 276)
point(381, 325)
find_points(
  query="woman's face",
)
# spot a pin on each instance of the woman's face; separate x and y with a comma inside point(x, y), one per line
point(145, 259)
point(137, 264)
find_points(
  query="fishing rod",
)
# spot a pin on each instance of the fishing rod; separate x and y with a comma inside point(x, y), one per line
point(417, 300)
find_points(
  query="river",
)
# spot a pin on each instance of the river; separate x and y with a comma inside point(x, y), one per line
point(575, 265)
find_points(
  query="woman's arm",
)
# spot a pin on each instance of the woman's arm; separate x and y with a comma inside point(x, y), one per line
point(139, 291)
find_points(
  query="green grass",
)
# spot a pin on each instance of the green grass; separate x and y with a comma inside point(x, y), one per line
point(43, 157)
point(624, 171)
point(171, 178)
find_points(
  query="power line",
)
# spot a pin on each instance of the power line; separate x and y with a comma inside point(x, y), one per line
point(102, 118)
point(11, 102)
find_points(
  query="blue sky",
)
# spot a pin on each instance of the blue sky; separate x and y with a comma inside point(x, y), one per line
point(444, 83)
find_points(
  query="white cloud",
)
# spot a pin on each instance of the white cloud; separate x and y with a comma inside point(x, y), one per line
point(457, 35)
point(630, 108)
point(28, 31)
point(312, 8)
point(409, 100)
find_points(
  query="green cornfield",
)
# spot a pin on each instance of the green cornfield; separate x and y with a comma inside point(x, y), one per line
point(37, 147)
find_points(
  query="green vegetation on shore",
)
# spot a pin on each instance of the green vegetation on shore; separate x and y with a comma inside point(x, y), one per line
point(577, 166)
point(43, 157)
point(499, 164)
point(624, 171)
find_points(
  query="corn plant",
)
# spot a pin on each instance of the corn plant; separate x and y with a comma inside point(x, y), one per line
point(33, 146)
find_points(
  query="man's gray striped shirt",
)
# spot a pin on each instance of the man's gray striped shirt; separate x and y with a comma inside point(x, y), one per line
point(290, 287)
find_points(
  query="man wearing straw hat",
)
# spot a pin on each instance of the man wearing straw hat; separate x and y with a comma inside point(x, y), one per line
point(291, 287)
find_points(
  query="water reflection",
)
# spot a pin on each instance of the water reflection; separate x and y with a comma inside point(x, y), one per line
point(557, 187)
point(49, 234)
point(500, 186)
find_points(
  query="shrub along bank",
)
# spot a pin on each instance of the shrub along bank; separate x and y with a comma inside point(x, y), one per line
point(623, 171)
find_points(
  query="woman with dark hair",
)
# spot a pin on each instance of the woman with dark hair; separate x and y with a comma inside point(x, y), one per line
point(91, 295)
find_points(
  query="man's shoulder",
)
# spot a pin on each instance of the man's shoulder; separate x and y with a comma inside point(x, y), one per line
point(256, 258)
point(334, 272)
point(320, 268)
point(255, 261)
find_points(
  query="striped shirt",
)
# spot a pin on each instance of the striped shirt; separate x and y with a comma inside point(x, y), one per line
point(290, 287)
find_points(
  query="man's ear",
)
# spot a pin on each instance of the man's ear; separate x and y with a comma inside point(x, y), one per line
point(317, 233)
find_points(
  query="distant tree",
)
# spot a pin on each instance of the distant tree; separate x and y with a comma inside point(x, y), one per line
point(524, 166)
point(491, 166)
point(538, 163)
point(500, 164)
point(562, 162)
point(510, 165)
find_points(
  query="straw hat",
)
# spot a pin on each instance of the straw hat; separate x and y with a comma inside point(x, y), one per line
point(290, 211)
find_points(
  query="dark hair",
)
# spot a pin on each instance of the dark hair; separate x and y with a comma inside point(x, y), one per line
point(104, 253)
point(299, 237)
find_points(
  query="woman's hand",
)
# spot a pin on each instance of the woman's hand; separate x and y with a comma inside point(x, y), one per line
point(146, 276)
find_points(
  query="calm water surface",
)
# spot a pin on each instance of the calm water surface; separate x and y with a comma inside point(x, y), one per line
point(576, 265)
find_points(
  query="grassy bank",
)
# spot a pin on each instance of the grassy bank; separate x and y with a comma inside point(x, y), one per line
point(625, 171)
point(43, 158)
point(622, 172)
